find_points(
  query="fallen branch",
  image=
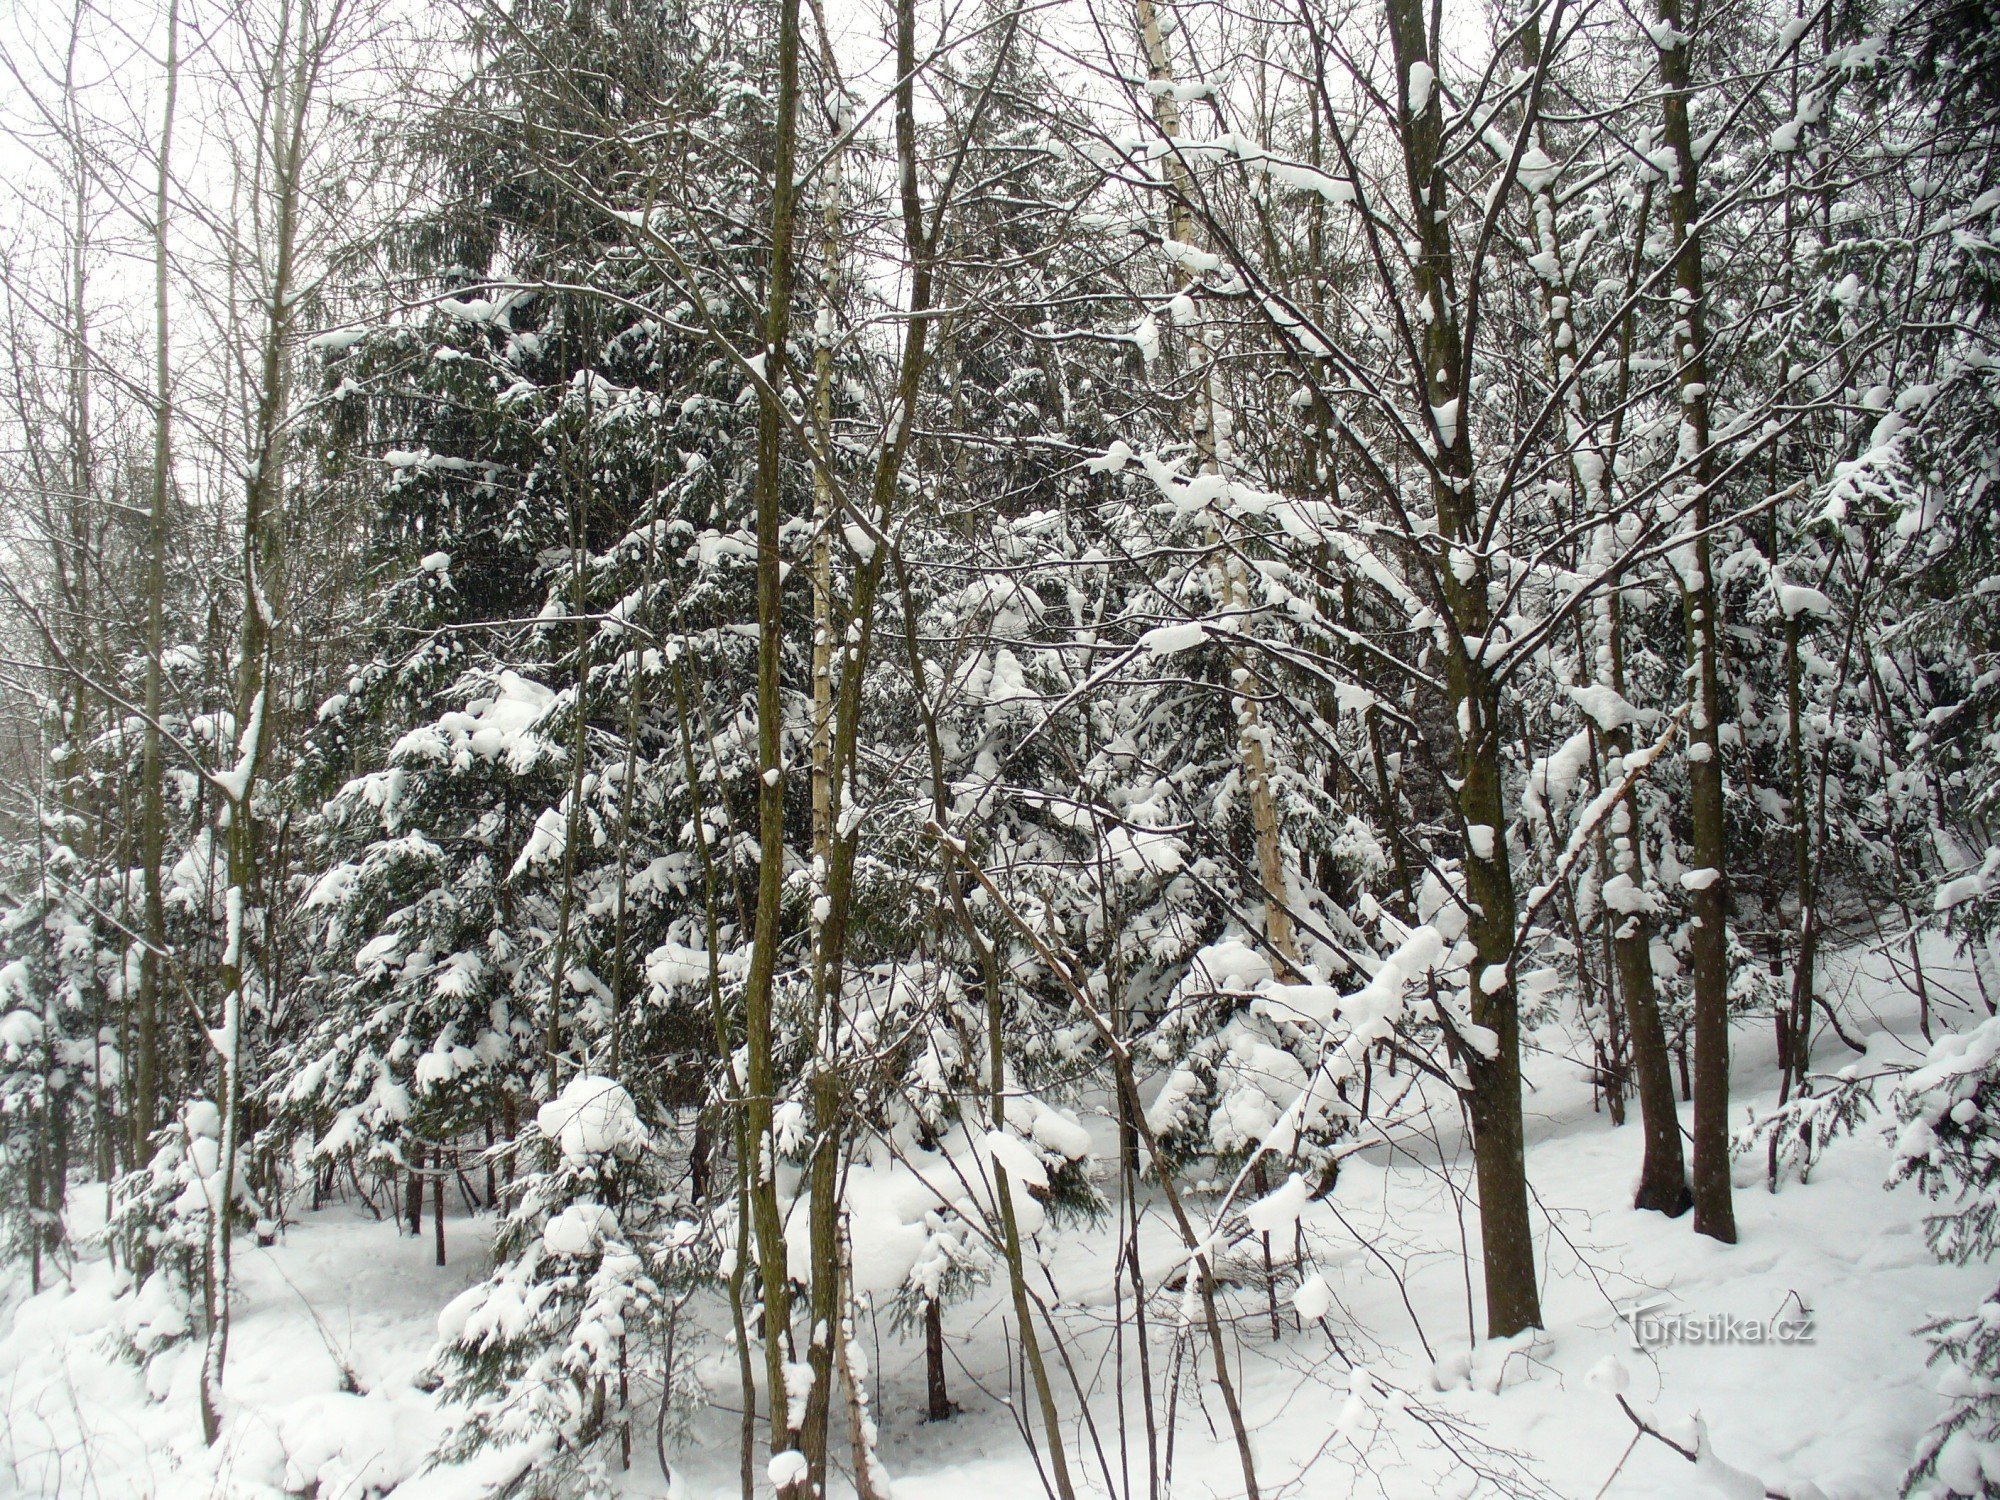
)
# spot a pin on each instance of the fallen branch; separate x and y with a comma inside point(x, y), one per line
point(1731, 1482)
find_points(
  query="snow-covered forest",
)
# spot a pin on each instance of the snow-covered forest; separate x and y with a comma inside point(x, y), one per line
point(945, 748)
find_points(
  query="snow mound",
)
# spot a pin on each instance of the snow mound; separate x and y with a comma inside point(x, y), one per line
point(592, 1117)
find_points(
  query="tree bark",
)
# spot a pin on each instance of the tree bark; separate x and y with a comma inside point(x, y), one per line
point(1207, 424)
point(938, 1407)
point(1493, 1067)
point(760, 1163)
point(413, 1190)
point(1714, 1211)
point(1663, 1184)
point(152, 816)
point(294, 67)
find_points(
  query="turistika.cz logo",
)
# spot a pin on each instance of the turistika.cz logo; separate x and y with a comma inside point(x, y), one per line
point(1659, 1325)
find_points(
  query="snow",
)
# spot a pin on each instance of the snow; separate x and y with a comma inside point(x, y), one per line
point(579, 1228)
point(342, 1301)
point(1337, 191)
point(1276, 1213)
point(1537, 172)
point(1146, 336)
point(1624, 895)
point(496, 728)
point(342, 1292)
point(20, 1030)
point(1970, 885)
point(1607, 709)
point(1445, 415)
point(1013, 1156)
point(1144, 851)
point(1056, 1131)
point(592, 1117)
point(547, 837)
point(892, 1213)
point(336, 340)
point(1422, 77)
point(375, 954)
point(1112, 460)
point(1189, 258)
point(1796, 599)
point(1313, 1298)
point(787, 1468)
point(1166, 640)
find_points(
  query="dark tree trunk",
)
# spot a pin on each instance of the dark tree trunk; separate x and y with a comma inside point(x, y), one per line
point(1493, 1062)
point(1714, 1211)
point(939, 1406)
point(1663, 1184)
point(413, 1197)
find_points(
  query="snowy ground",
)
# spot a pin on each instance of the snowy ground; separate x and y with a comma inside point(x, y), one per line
point(336, 1323)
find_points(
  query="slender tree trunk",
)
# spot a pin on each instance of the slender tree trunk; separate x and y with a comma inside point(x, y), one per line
point(579, 756)
point(413, 1190)
point(1663, 1184)
point(739, 1116)
point(992, 980)
point(1010, 1239)
point(1493, 1064)
point(293, 68)
point(871, 1480)
point(1663, 1173)
point(828, 1295)
point(938, 1407)
point(829, 1085)
point(1714, 1211)
point(1797, 1055)
point(144, 1104)
point(1207, 424)
point(760, 1163)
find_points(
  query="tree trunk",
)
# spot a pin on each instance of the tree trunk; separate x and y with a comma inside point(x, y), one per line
point(829, 1093)
point(1714, 1211)
point(1207, 424)
point(991, 976)
point(938, 1407)
point(1796, 1058)
point(760, 1163)
point(294, 67)
point(1663, 1185)
point(413, 1191)
point(737, 1114)
point(152, 817)
point(829, 1083)
point(1493, 1066)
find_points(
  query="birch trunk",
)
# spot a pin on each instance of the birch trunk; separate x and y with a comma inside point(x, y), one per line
point(1208, 423)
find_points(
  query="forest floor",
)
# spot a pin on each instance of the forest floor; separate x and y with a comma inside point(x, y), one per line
point(337, 1320)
